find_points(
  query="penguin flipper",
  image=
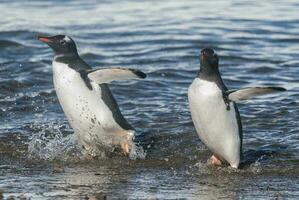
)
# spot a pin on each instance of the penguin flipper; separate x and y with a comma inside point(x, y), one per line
point(114, 74)
point(247, 93)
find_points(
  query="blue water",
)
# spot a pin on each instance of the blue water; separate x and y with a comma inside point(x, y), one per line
point(258, 44)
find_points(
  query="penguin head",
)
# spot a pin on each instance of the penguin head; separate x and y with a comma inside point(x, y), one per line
point(209, 58)
point(61, 44)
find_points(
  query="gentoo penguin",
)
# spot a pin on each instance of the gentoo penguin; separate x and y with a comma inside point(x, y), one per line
point(214, 112)
point(86, 98)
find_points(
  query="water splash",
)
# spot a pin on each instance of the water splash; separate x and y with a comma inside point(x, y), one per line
point(51, 143)
point(137, 152)
point(256, 167)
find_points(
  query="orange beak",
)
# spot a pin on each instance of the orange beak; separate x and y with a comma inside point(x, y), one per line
point(43, 39)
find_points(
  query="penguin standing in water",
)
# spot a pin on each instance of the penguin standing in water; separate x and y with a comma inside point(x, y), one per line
point(86, 98)
point(214, 112)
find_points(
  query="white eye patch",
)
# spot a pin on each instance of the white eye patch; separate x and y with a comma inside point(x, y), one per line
point(67, 39)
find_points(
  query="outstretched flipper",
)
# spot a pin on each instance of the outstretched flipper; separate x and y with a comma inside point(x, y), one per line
point(247, 93)
point(114, 74)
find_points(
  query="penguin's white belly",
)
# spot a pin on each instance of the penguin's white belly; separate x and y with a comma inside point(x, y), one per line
point(216, 126)
point(91, 119)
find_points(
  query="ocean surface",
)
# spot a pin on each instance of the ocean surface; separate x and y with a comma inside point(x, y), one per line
point(258, 44)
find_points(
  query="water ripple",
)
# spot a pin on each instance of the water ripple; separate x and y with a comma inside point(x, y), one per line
point(257, 45)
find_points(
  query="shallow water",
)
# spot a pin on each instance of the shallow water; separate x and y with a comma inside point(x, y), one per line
point(257, 42)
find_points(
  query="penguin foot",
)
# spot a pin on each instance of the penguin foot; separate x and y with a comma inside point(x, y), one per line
point(123, 140)
point(125, 148)
point(214, 160)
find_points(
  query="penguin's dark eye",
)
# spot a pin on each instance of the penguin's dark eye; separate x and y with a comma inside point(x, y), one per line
point(62, 42)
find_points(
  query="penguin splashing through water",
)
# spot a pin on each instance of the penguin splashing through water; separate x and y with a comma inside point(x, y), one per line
point(86, 99)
